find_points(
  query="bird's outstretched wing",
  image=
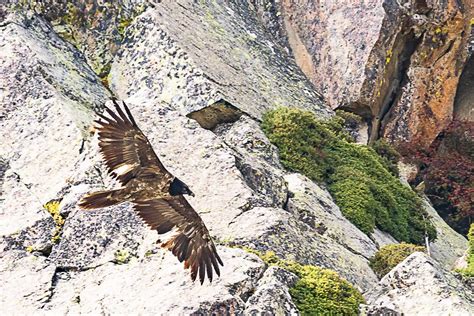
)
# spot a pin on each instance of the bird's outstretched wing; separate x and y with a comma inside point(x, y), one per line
point(191, 242)
point(126, 150)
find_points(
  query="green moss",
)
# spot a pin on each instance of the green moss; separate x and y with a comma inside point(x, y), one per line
point(319, 291)
point(469, 271)
point(390, 156)
point(122, 26)
point(53, 208)
point(390, 255)
point(350, 121)
point(359, 179)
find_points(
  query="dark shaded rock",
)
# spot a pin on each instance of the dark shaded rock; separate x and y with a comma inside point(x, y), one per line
point(215, 114)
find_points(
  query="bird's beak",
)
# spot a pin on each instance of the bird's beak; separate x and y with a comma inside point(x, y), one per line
point(192, 194)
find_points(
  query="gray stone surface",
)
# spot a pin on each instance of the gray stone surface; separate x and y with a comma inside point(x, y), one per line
point(176, 59)
point(449, 246)
point(27, 282)
point(271, 296)
point(314, 206)
point(280, 231)
point(192, 54)
point(382, 238)
point(155, 284)
point(48, 93)
point(419, 286)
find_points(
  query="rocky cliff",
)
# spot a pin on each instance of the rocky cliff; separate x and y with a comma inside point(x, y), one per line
point(395, 62)
point(197, 77)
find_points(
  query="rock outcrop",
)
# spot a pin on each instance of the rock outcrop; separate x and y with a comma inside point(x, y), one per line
point(399, 67)
point(197, 78)
point(449, 246)
point(419, 286)
point(49, 97)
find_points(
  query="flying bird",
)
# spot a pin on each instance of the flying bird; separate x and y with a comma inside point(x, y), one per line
point(157, 195)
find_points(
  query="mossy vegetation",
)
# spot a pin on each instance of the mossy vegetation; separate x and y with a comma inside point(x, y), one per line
point(53, 208)
point(319, 291)
point(390, 255)
point(359, 179)
point(469, 271)
point(389, 155)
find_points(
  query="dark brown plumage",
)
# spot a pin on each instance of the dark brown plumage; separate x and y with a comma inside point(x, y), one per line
point(157, 194)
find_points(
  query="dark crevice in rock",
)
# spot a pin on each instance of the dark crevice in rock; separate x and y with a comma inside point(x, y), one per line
point(218, 113)
point(4, 166)
point(446, 51)
point(289, 195)
point(464, 100)
point(398, 80)
point(83, 144)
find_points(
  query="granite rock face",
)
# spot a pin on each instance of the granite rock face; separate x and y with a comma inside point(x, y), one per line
point(155, 284)
point(271, 296)
point(48, 94)
point(399, 67)
point(27, 282)
point(95, 27)
point(450, 245)
point(49, 97)
point(196, 76)
point(419, 286)
point(216, 52)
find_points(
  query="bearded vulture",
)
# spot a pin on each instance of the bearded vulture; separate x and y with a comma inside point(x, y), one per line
point(157, 195)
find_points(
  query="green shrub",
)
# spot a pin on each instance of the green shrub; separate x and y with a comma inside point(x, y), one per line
point(351, 123)
point(389, 155)
point(469, 271)
point(319, 291)
point(390, 255)
point(360, 181)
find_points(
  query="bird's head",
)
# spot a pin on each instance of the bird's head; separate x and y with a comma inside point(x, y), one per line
point(178, 187)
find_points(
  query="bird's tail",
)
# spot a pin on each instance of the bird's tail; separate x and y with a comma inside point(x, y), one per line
point(99, 199)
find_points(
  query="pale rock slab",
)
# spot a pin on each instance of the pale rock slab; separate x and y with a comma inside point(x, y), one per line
point(46, 100)
point(157, 284)
point(419, 286)
point(26, 282)
point(271, 296)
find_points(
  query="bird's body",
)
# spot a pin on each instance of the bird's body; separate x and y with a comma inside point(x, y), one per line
point(157, 194)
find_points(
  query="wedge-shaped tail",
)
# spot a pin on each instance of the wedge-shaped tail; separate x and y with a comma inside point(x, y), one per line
point(100, 199)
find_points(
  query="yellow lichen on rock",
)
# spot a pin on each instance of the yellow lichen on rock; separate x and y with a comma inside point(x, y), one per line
point(53, 208)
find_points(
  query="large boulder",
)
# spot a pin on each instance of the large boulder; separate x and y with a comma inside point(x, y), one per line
point(215, 52)
point(399, 67)
point(449, 245)
point(419, 286)
point(48, 93)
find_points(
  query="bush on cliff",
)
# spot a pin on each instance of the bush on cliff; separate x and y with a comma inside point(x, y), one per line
point(469, 271)
point(447, 169)
point(318, 291)
point(389, 256)
point(360, 181)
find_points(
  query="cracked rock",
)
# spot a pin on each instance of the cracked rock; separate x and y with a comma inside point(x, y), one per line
point(419, 286)
point(157, 284)
point(271, 295)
